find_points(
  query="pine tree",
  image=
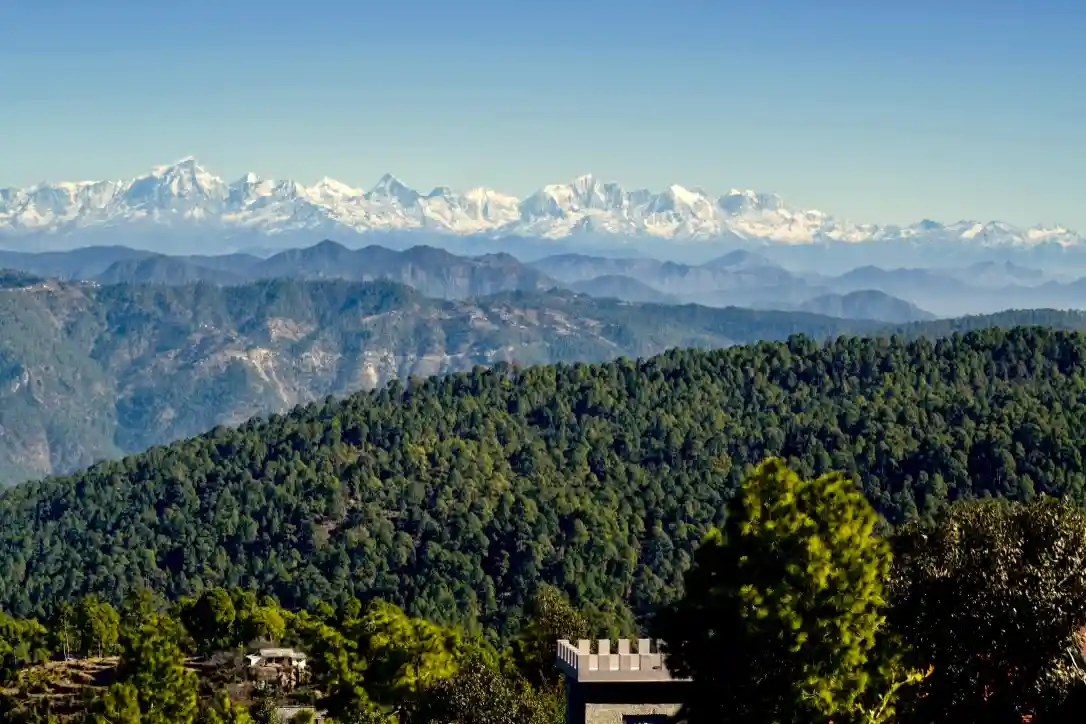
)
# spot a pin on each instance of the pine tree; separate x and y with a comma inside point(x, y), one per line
point(223, 711)
point(153, 663)
point(119, 705)
point(551, 617)
point(782, 605)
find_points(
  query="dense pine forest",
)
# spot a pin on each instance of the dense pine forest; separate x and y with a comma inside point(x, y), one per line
point(794, 611)
point(455, 497)
point(823, 507)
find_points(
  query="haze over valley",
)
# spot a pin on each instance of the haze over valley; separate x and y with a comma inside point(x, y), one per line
point(738, 277)
point(108, 350)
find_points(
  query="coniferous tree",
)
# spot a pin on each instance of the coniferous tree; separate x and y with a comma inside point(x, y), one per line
point(783, 605)
point(98, 624)
point(120, 704)
point(154, 665)
point(210, 620)
point(221, 710)
point(551, 617)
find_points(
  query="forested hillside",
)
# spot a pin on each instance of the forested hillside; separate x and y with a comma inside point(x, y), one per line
point(90, 372)
point(457, 496)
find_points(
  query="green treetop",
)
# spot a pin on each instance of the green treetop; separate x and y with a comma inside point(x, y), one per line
point(992, 596)
point(782, 605)
point(154, 664)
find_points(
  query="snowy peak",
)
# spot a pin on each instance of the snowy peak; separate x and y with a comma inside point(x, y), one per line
point(390, 188)
point(740, 201)
point(185, 175)
point(676, 198)
point(183, 184)
point(329, 189)
point(186, 195)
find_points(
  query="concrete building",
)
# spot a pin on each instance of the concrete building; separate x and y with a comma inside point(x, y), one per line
point(624, 687)
point(278, 658)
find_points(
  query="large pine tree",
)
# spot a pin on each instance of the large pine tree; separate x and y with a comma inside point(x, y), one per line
point(783, 603)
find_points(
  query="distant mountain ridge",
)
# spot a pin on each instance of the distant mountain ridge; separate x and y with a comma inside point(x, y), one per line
point(738, 278)
point(617, 286)
point(434, 272)
point(867, 304)
point(91, 370)
point(185, 196)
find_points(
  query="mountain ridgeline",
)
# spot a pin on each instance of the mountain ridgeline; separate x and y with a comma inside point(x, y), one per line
point(457, 496)
point(737, 278)
point(433, 272)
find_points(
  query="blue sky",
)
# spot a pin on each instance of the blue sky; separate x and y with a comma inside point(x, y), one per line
point(877, 111)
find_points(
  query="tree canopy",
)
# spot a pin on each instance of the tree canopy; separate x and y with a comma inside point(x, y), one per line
point(783, 603)
point(993, 597)
point(457, 497)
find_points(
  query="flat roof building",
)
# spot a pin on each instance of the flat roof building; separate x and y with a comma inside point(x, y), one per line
point(628, 686)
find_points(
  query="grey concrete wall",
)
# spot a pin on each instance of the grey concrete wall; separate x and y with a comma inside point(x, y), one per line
point(612, 713)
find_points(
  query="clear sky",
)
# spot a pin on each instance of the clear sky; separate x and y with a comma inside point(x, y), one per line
point(887, 111)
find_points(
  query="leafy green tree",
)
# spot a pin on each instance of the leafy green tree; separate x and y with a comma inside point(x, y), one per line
point(22, 643)
point(64, 629)
point(120, 704)
point(381, 662)
point(139, 608)
point(154, 664)
point(403, 655)
point(265, 710)
point(992, 596)
point(482, 693)
point(783, 605)
point(98, 624)
point(224, 711)
point(210, 620)
point(551, 617)
point(262, 623)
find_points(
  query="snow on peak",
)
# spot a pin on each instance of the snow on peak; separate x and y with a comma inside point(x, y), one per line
point(388, 182)
point(183, 192)
point(332, 187)
point(187, 166)
point(392, 189)
point(684, 195)
point(584, 183)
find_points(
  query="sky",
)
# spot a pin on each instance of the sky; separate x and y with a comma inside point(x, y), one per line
point(886, 112)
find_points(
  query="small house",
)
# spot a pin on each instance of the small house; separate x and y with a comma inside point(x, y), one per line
point(277, 658)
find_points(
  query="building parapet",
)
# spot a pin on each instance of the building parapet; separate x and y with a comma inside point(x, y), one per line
point(642, 665)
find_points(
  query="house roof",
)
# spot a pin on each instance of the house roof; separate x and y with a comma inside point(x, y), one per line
point(281, 654)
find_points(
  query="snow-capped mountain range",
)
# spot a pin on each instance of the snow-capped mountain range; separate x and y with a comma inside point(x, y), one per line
point(184, 196)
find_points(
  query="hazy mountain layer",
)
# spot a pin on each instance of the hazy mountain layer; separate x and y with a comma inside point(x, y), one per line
point(738, 278)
